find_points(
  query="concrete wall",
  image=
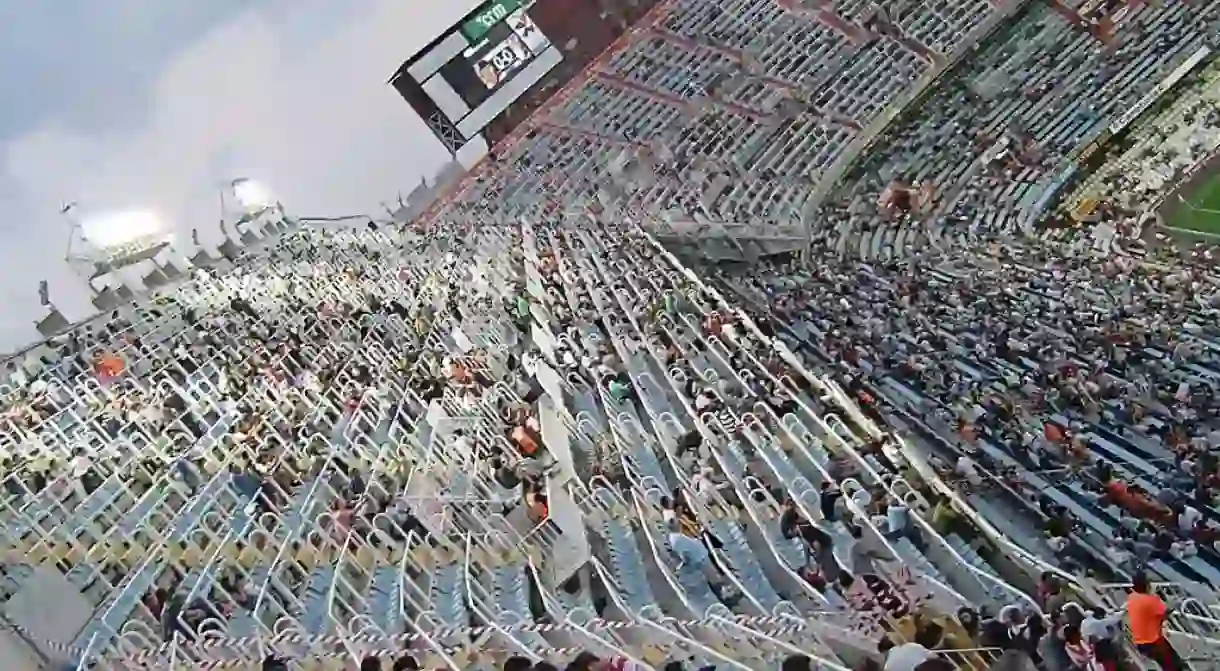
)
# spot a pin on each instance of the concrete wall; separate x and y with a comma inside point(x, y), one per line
point(15, 655)
point(49, 611)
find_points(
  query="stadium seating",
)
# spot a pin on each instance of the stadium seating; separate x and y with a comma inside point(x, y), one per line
point(1157, 154)
point(1005, 123)
point(523, 427)
point(277, 508)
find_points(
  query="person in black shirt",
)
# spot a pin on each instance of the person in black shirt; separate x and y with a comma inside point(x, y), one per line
point(435, 390)
point(995, 634)
point(830, 495)
point(506, 476)
point(793, 525)
point(789, 522)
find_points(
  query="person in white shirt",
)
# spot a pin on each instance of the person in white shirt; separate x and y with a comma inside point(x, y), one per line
point(861, 498)
point(81, 464)
point(461, 444)
point(905, 657)
point(897, 518)
point(703, 484)
point(1188, 519)
point(1097, 626)
point(565, 358)
point(693, 554)
point(587, 362)
point(966, 469)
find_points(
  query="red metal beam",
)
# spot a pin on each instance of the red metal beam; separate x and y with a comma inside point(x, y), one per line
point(693, 45)
point(588, 134)
point(831, 19)
point(740, 57)
point(620, 82)
point(1067, 13)
point(824, 12)
point(742, 110)
point(674, 100)
point(895, 32)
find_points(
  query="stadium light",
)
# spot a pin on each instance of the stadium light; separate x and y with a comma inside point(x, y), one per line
point(116, 229)
point(252, 195)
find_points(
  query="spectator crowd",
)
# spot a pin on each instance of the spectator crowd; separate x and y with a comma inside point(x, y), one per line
point(554, 445)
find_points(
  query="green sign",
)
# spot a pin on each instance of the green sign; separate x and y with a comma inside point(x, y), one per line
point(488, 16)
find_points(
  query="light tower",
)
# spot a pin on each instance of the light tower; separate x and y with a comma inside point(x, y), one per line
point(252, 208)
point(101, 245)
point(248, 214)
point(201, 258)
point(52, 322)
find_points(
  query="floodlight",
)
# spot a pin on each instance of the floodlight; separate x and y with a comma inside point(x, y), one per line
point(252, 195)
point(120, 228)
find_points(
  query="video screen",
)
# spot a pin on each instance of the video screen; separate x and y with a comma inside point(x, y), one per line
point(506, 48)
point(495, 64)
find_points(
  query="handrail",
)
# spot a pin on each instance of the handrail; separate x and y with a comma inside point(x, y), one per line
point(694, 499)
point(980, 575)
point(704, 649)
point(929, 476)
point(822, 662)
point(571, 626)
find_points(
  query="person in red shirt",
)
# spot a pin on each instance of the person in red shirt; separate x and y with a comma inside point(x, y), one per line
point(1117, 491)
point(1144, 506)
point(1136, 502)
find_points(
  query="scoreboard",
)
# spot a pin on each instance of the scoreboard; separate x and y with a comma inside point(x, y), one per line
point(475, 70)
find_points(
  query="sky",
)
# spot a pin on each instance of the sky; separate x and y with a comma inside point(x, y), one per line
point(152, 104)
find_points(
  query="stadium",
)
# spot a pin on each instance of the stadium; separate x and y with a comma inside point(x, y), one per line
point(759, 335)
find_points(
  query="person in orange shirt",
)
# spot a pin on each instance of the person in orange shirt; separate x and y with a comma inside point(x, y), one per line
point(460, 373)
point(525, 442)
point(1053, 433)
point(1147, 613)
point(108, 367)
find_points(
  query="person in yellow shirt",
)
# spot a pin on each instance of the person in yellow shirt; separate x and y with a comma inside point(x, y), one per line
point(1147, 613)
point(944, 517)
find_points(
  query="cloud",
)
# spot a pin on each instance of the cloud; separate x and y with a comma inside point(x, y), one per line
point(291, 93)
